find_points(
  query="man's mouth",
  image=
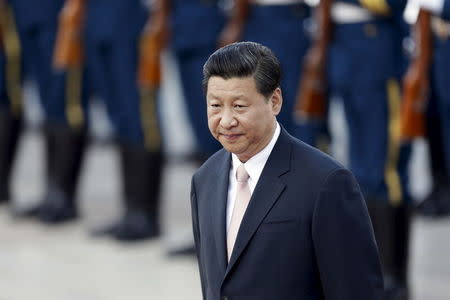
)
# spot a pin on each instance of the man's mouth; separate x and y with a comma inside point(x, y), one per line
point(230, 136)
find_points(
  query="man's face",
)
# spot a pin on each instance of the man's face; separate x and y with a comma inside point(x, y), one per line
point(239, 117)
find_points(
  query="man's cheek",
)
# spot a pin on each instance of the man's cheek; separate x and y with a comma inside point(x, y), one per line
point(212, 127)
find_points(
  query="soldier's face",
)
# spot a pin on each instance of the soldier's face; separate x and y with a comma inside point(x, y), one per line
point(239, 117)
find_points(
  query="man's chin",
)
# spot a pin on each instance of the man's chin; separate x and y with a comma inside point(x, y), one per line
point(232, 148)
point(228, 142)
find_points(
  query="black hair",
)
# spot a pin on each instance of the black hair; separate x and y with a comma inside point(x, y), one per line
point(245, 59)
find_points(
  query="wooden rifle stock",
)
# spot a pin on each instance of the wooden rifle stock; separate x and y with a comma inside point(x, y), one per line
point(311, 97)
point(416, 82)
point(149, 73)
point(69, 46)
point(234, 28)
point(153, 40)
point(311, 100)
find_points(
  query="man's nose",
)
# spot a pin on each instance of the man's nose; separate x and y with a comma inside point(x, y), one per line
point(228, 120)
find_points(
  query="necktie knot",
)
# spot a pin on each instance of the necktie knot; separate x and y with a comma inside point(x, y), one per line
point(241, 174)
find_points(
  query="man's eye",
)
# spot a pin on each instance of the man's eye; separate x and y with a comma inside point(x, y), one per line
point(214, 105)
point(239, 106)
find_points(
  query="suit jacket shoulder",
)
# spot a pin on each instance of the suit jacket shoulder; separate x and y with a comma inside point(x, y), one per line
point(212, 170)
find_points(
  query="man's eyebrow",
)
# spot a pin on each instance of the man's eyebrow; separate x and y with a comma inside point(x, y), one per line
point(241, 96)
point(212, 96)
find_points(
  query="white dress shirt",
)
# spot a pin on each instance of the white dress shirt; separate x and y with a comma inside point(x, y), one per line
point(253, 166)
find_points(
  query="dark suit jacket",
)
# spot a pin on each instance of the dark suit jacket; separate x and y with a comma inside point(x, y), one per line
point(306, 233)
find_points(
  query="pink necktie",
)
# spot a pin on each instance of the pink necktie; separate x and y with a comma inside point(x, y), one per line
point(240, 205)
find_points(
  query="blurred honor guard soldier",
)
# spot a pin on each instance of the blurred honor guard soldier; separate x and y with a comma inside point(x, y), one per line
point(194, 29)
point(37, 24)
point(280, 25)
point(113, 31)
point(274, 218)
point(312, 104)
point(440, 25)
point(11, 121)
point(66, 134)
point(366, 61)
point(437, 204)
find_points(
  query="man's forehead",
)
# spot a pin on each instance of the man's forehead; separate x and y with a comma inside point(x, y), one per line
point(229, 92)
point(233, 84)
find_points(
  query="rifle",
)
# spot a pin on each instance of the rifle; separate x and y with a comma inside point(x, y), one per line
point(311, 97)
point(416, 81)
point(68, 50)
point(11, 48)
point(232, 31)
point(153, 40)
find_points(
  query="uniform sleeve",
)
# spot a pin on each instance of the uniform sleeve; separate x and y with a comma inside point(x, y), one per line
point(196, 231)
point(344, 243)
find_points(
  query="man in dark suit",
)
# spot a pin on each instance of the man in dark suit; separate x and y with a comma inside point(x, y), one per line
point(274, 218)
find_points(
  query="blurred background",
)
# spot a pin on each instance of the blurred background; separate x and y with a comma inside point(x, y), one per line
point(103, 123)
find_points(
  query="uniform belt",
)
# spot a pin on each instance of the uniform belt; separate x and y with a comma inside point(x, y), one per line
point(440, 28)
point(345, 13)
point(275, 2)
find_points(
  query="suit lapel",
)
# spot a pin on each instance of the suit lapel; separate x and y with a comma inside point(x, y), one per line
point(265, 195)
point(219, 195)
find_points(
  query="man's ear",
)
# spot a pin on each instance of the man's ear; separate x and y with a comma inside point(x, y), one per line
point(276, 101)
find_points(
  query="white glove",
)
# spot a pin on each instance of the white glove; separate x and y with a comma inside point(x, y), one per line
point(434, 6)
